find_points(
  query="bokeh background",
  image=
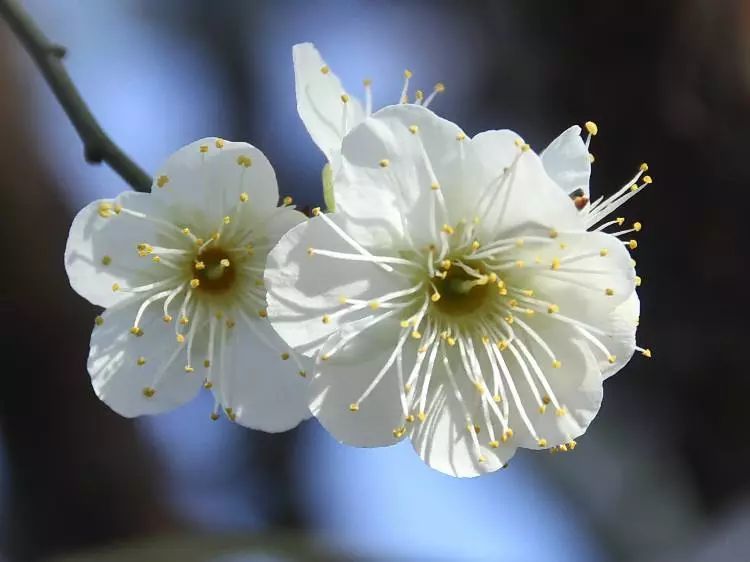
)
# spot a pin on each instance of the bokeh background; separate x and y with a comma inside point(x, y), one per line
point(662, 475)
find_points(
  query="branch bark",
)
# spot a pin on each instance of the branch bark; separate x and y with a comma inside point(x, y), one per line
point(97, 146)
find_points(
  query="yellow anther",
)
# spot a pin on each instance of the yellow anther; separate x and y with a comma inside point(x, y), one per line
point(525, 147)
point(591, 127)
point(480, 387)
point(507, 434)
point(141, 361)
point(106, 260)
point(556, 363)
point(637, 226)
point(419, 95)
point(194, 283)
point(374, 305)
point(186, 231)
point(502, 345)
point(646, 353)
point(546, 400)
point(384, 163)
point(448, 229)
point(399, 432)
point(413, 129)
point(224, 262)
point(497, 398)
point(162, 180)
point(592, 158)
point(553, 309)
point(451, 341)
point(542, 442)
point(407, 73)
point(203, 148)
point(219, 143)
point(604, 252)
point(638, 281)
point(445, 264)
point(648, 179)
point(520, 263)
point(227, 219)
point(633, 244)
point(555, 264)
point(494, 444)
point(98, 320)
point(148, 392)
point(343, 299)
point(410, 418)
point(244, 197)
point(439, 87)
point(404, 323)
point(285, 356)
point(288, 200)
point(325, 69)
point(345, 98)
point(105, 210)
point(367, 82)
point(326, 319)
point(612, 359)
point(475, 245)
point(136, 331)
point(199, 265)
point(230, 323)
point(184, 320)
point(542, 408)
point(434, 186)
point(461, 136)
point(416, 335)
point(560, 412)
point(214, 416)
point(435, 297)
point(244, 161)
point(230, 414)
point(144, 249)
point(206, 363)
point(421, 416)
point(553, 233)
point(609, 292)
point(180, 338)
point(167, 318)
point(156, 259)
point(643, 167)
point(189, 369)
point(572, 445)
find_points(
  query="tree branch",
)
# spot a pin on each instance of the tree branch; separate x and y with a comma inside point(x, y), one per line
point(97, 146)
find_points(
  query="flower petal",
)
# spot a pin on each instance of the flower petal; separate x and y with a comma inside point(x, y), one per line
point(304, 291)
point(204, 181)
point(125, 368)
point(258, 379)
point(576, 384)
point(319, 101)
point(443, 440)
point(341, 380)
point(620, 340)
point(511, 189)
point(567, 161)
point(389, 165)
point(102, 247)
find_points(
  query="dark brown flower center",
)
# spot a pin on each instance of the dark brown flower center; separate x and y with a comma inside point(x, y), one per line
point(215, 271)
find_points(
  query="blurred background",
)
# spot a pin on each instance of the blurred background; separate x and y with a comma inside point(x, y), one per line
point(662, 475)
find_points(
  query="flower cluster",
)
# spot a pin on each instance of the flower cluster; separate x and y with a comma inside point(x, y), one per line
point(466, 294)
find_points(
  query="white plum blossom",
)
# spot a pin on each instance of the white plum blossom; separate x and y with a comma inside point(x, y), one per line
point(456, 297)
point(328, 110)
point(180, 273)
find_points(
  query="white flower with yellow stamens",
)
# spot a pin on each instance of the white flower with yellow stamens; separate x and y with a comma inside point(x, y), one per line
point(454, 298)
point(180, 273)
point(329, 111)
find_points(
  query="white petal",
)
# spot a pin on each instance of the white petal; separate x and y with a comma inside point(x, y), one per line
point(577, 385)
point(385, 180)
point(264, 391)
point(319, 100)
point(443, 440)
point(510, 188)
point(621, 328)
point(202, 181)
point(99, 236)
point(567, 161)
point(586, 288)
point(303, 288)
point(341, 380)
point(280, 222)
point(117, 377)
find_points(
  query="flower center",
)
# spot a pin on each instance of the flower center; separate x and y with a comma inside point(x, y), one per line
point(214, 271)
point(462, 292)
